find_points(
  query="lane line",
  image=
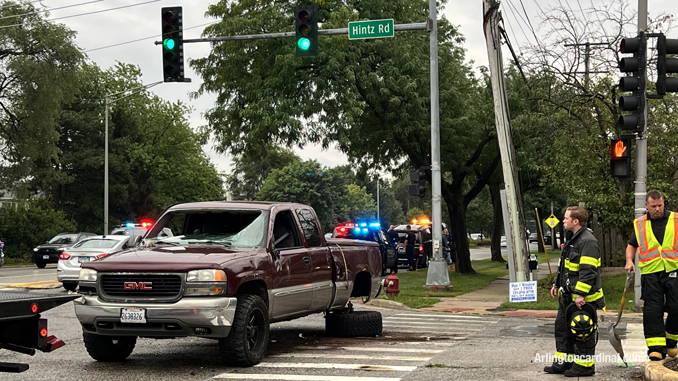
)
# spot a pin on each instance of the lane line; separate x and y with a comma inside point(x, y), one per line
point(357, 357)
point(387, 368)
point(375, 349)
point(240, 376)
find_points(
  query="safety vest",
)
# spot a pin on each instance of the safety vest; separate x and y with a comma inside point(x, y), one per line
point(654, 257)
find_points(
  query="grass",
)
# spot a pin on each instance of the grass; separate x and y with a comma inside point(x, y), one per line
point(24, 260)
point(613, 287)
point(412, 293)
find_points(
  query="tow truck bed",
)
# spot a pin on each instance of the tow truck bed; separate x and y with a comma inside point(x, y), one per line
point(18, 305)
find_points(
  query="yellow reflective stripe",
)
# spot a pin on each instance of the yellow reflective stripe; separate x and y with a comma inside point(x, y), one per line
point(585, 361)
point(656, 341)
point(583, 287)
point(571, 266)
point(560, 356)
point(589, 261)
point(594, 297)
point(671, 336)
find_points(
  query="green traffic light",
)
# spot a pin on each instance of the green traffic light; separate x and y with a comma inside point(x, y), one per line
point(168, 43)
point(304, 43)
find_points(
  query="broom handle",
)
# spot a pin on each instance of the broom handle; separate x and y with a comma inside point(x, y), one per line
point(623, 300)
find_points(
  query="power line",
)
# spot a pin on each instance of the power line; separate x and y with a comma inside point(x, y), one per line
point(17, 4)
point(87, 13)
point(144, 38)
point(50, 9)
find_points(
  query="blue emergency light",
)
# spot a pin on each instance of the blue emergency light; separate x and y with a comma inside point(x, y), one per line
point(129, 225)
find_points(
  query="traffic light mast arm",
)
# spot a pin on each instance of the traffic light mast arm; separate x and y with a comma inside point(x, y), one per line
point(321, 32)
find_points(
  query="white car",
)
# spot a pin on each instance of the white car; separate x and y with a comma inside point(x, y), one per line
point(89, 249)
point(502, 241)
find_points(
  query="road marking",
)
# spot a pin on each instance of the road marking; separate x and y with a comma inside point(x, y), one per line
point(307, 365)
point(357, 357)
point(427, 324)
point(634, 345)
point(444, 316)
point(294, 377)
point(376, 349)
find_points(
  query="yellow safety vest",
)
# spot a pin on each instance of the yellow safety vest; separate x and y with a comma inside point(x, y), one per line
point(654, 257)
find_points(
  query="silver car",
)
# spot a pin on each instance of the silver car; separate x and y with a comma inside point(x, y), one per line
point(89, 249)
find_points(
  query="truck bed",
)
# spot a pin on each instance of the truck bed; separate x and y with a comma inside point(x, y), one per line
point(19, 304)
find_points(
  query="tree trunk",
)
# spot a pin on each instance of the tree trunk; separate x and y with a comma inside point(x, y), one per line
point(458, 234)
point(495, 248)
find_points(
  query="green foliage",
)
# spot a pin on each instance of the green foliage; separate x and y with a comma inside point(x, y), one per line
point(415, 213)
point(357, 204)
point(251, 168)
point(28, 224)
point(307, 182)
point(39, 62)
point(479, 218)
point(390, 209)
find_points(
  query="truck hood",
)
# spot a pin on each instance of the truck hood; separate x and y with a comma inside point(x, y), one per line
point(170, 259)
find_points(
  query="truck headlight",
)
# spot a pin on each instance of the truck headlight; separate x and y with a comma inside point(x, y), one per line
point(205, 282)
point(87, 275)
point(35, 249)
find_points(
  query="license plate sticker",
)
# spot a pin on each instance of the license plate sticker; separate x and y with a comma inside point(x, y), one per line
point(133, 315)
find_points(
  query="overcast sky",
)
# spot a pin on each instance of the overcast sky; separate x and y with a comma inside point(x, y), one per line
point(141, 19)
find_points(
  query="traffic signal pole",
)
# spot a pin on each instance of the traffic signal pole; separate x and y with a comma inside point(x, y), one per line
point(641, 153)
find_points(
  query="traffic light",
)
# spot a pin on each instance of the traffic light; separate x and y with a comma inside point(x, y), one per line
point(634, 83)
point(666, 65)
point(306, 27)
point(172, 44)
point(620, 162)
point(419, 178)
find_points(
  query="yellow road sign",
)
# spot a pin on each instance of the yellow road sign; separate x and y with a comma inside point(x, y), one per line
point(552, 221)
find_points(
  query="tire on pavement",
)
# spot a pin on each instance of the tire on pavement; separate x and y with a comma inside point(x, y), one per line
point(41, 264)
point(70, 286)
point(250, 333)
point(109, 348)
point(353, 324)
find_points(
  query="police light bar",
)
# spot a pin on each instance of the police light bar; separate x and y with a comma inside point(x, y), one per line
point(129, 225)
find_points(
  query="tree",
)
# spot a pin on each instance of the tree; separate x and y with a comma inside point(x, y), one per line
point(307, 182)
point(251, 168)
point(369, 97)
point(357, 204)
point(39, 63)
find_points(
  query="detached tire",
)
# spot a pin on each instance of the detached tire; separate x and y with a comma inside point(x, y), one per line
point(249, 336)
point(109, 348)
point(70, 286)
point(353, 324)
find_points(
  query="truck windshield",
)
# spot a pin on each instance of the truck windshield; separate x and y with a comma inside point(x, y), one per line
point(212, 227)
point(63, 239)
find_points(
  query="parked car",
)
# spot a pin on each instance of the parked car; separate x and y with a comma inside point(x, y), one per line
point(502, 241)
point(89, 249)
point(371, 232)
point(50, 250)
point(423, 247)
point(534, 237)
point(137, 231)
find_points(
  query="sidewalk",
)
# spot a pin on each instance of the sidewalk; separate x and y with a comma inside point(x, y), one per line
point(486, 301)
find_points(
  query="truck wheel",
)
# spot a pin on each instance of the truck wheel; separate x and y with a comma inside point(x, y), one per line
point(70, 286)
point(109, 348)
point(353, 324)
point(41, 264)
point(249, 336)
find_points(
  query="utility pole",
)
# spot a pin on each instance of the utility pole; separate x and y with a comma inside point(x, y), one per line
point(491, 18)
point(641, 153)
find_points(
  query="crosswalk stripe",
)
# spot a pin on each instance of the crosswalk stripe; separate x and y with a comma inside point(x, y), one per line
point(417, 316)
point(374, 349)
point(446, 320)
point(307, 365)
point(299, 377)
point(426, 324)
point(356, 357)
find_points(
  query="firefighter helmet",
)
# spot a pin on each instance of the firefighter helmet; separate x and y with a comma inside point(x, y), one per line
point(582, 323)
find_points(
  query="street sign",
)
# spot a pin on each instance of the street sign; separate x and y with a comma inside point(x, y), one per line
point(552, 221)
point(358, 30)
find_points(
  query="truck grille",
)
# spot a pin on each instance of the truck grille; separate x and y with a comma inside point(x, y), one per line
point(141, 286)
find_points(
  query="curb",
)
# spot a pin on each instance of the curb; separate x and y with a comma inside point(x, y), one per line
point(656, 371)
point(388, 304)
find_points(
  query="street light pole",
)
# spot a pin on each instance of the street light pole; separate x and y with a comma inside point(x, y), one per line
point(131, 92)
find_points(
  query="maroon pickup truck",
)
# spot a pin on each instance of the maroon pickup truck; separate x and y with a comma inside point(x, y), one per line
point(230, 270)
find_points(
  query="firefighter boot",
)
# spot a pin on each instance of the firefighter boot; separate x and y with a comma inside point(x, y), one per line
point(580, 371)
point(672, 352)
point(557, 367)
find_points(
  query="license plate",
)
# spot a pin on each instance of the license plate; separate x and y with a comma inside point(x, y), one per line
point(46, 256)
point(84, 259)
point(133, 315)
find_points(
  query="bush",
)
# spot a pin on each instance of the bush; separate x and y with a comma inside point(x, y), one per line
point(29, 224)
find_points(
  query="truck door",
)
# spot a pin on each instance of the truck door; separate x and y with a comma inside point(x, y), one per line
point(321, 276)
point(293, 291)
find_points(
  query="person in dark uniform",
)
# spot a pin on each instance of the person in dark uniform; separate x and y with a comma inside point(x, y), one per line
point(410, 239)
point(393, 235)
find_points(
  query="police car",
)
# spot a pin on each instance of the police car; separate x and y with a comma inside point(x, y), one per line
point(137, 230)
point(371, 231)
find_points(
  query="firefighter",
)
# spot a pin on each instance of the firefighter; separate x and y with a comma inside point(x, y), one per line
point(655, 238)
point(579, 291)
